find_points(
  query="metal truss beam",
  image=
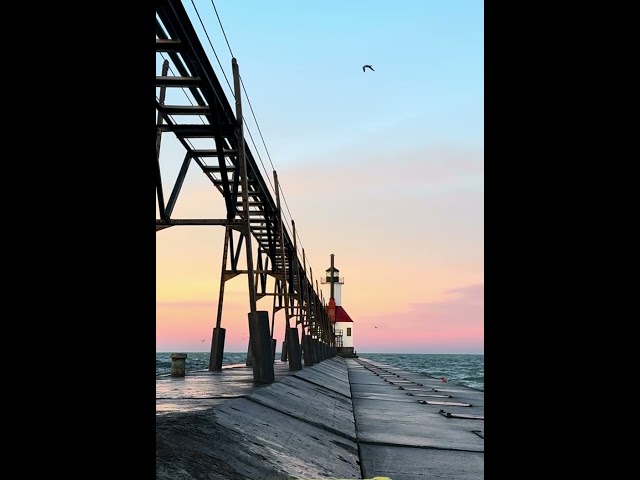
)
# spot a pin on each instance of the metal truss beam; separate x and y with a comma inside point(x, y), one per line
point(251, 210)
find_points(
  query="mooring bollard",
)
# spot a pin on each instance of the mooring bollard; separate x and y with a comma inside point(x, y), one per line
point(177, 364)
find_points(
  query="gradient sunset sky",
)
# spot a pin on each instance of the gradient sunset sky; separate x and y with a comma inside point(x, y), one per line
point(383, 169)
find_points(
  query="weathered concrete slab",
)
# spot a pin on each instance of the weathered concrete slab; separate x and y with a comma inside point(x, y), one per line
point(310, 451)
point(331, 374)
point(386, 416)
point(241, 439)
point(365, 378)
point(203, 385)
point(415, 425)
point(310, 402)
point(335, 367)
point(392, 397)
point(293, 428)
point(402, 463)
point(171, 405)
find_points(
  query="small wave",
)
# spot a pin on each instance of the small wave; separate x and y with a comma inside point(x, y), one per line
point(461, 369)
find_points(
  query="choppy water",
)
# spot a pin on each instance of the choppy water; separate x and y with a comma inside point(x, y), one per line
point(197, 360)
point(461, 369)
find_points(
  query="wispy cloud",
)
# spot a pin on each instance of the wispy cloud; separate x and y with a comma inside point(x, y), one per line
point(377, 170)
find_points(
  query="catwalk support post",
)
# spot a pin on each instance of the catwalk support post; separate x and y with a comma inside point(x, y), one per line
point(246, 217)
point(261, 347)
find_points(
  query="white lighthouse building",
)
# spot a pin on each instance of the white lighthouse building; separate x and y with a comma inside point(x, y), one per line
point(343, 324)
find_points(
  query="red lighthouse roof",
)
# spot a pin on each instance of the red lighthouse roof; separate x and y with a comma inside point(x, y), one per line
point(342, 315)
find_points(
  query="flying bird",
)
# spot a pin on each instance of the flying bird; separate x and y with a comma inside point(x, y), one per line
point(367, 66)
point(203, 339)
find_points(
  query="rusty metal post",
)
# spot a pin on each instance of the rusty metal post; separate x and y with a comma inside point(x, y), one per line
point(273, 310)
point(273, 320)
point(273, 347)
point(306, 338)
point(217, 339)
point(314, 317)
point(293, 352)
point(299, 296)
point(283, 355)
point(242, 164)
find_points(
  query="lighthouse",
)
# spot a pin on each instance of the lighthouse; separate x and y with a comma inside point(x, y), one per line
point(342, 322)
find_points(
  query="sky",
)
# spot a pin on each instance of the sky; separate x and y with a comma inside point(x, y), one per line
point(384, 169)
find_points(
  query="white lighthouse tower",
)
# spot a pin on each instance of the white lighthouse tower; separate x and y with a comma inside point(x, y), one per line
point(343, 324)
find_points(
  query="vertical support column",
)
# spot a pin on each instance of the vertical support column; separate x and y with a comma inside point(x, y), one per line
point(217, 349)
point(273, 346)
point(308, 349)
point(316, 349)
point(292, 354)
point(249, 360)
point(283, 352)
point(314, 317)
point(295, 362)
point(284, 355)
point(299, 296)
point(273, 310)
point(244, 178)
point(306, 345)
point(319, 314)
point(273, 319)
point(261, 347)
point(217, 339)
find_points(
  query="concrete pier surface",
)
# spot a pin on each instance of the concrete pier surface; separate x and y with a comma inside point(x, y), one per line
point(410, 426)
point(340, 418)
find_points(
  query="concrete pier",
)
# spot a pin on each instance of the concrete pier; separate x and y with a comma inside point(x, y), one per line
point(412, 427)
point(340, 418)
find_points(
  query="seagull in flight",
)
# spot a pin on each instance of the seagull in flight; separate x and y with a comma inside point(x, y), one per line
point(367, 66)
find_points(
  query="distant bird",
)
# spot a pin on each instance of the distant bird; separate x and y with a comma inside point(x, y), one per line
point(375, 327)
point(367, 66)
point(203, 339)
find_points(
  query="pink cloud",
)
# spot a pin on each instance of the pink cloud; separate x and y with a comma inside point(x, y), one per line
point(453, 325)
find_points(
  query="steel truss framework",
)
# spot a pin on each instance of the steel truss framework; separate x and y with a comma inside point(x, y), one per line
point(252, 214)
